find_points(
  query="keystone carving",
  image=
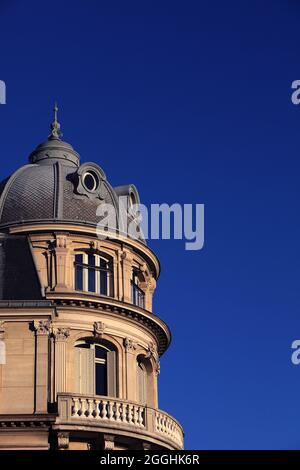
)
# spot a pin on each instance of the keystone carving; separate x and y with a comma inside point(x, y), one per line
point(99, 328)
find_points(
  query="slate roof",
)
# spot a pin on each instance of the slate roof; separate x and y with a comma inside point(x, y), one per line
point(18, 275)
point(51, 188)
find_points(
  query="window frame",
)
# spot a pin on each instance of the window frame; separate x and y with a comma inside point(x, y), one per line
point(137, 294)
point(87, 269)
point(90, 376)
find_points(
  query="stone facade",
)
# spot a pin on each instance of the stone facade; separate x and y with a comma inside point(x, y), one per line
point(42, 405)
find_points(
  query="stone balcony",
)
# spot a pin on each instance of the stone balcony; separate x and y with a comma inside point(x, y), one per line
point(118, 417)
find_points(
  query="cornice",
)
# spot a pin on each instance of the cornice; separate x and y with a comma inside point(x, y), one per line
point(113, 307)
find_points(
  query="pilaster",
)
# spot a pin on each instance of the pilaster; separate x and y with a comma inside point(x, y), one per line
point(60, 359)
point(42, 330)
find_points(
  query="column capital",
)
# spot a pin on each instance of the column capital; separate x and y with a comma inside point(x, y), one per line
point(62, 240)
point(126, 256)
point(42, 327)
point(61, 334)
point(129, 344)
point(152, 351)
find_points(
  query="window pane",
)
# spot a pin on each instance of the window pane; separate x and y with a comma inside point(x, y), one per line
point(103, 263)
point(103, 283)
point(101, 379)
point(100, 352)
point(91, 260)
point(78, 259)
point(83, 346)
point(92, 280)
point(79, 278)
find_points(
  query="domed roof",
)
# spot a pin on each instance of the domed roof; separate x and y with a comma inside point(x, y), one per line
point(55, 187)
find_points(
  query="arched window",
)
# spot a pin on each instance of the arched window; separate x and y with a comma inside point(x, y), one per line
point(95, 369)
point(94, 273)
point(137, 295)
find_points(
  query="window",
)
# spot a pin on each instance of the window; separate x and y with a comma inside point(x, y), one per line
point(93, 273)
point(137, 295)
point(95, 369)
point(90, 181)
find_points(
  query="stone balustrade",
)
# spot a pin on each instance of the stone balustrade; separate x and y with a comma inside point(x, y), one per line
point(114, 413)
point(167, 426)
point(108, 409)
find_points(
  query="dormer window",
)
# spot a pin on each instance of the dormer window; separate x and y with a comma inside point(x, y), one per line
point(93, 273)
point(137, 294)
point(90, 181)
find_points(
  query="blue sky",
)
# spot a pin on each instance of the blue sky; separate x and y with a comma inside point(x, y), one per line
point(191, 102)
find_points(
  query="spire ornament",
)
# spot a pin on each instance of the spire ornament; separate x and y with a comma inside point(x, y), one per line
point(55, 126)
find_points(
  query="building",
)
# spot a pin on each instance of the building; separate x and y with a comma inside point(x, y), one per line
point(79, 344)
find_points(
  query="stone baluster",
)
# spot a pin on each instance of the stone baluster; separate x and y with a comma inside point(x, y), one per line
point(130, 417)
point(103, 410)
point(75, 407)
point(135, 415)
point(97, 409)
point(90, 407)
point(123, 412)
point(109, 410)
point(140, 416)
point(117, 410)
point(83, 406)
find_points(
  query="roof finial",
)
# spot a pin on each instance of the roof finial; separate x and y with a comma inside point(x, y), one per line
point(55, 126)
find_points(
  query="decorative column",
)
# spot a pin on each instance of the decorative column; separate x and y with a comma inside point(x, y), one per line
point(42, 330)
point(153, 355)
point(151, 285)
point(119, 276)
point(126, 274)
point(131, 370)
point(62, 263)
point(60, 359)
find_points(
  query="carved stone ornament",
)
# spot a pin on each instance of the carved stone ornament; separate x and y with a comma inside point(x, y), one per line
point(42, 327)
point(63, 440)
point(109, 443)
point(99, 328)
point(62, 241)
point(2, 330)
point(152, 351)
point(61, 334)
point(129, 344)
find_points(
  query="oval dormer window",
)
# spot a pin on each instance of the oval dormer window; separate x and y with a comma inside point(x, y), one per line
point(90, 181)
